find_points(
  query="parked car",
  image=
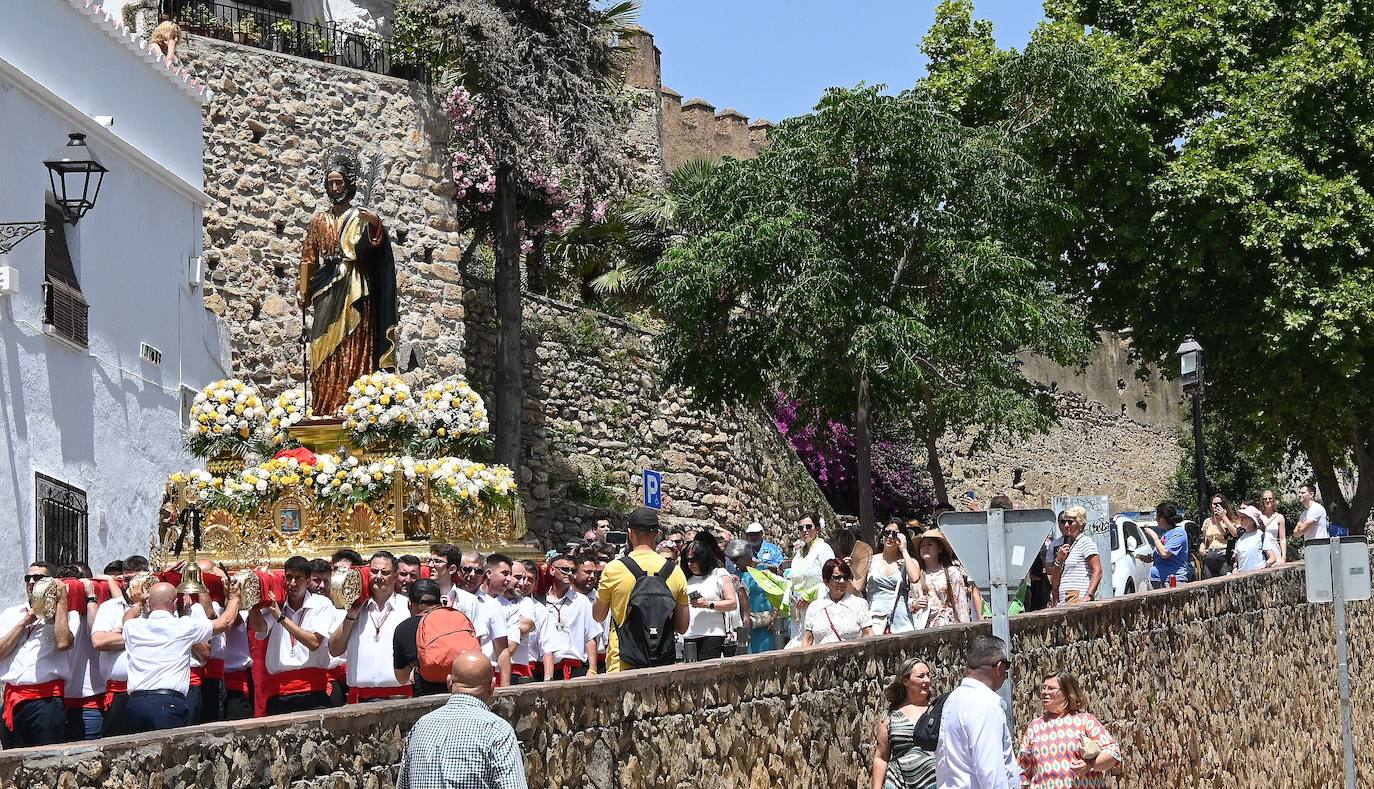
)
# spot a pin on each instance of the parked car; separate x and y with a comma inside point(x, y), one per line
point(1129, 573)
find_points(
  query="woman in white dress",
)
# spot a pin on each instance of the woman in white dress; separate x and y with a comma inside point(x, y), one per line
point(810, 557)
point(1273, 523)
point(839, 614)
point(942, 596)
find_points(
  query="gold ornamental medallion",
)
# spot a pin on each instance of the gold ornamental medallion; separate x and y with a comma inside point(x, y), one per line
point(345, 587)
point(45, 596)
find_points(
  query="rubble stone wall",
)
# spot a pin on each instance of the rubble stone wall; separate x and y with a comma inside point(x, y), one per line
point(1226, 683)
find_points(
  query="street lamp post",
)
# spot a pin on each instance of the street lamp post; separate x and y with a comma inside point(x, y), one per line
point(69, 173)
point(1190, 367)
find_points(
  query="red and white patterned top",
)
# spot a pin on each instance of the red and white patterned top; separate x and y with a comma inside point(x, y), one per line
point(1054, 742)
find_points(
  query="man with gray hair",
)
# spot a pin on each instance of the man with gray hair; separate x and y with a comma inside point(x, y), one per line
point(974, 750)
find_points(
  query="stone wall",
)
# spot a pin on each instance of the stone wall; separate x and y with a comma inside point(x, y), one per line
point(1175, 675)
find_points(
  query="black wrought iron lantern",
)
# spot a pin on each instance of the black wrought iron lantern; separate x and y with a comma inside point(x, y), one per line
point(70, 169)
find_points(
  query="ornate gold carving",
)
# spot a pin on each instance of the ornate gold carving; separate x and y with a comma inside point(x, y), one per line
point(44, 598)
point(345, 586)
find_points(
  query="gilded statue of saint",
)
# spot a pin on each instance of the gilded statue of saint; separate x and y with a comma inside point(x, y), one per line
point(348, 278)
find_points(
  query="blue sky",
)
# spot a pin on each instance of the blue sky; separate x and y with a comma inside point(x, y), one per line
point(772, 58)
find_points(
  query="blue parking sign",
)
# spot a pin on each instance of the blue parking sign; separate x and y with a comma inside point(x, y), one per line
point(653, 489)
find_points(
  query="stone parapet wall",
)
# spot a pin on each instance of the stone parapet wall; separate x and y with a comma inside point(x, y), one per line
point(1224, 683)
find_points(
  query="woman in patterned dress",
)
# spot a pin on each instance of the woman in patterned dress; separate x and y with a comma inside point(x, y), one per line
point(839, 614)
point(942, 596)
point(898, 762)
point(1053, 748)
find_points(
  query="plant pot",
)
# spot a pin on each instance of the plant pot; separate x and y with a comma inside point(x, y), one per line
point(240, 38)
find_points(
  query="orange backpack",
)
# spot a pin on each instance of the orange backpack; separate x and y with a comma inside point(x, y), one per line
point(443, 634)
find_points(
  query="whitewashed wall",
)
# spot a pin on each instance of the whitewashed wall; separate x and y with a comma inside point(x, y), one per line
point(98, 418)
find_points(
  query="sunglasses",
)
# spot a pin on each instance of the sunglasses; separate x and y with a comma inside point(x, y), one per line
point(34, 578)
point(436, 560)
point(890, 535)
point(1063, 521)
point(470, 570)
point(835, 578)
point(563, 570)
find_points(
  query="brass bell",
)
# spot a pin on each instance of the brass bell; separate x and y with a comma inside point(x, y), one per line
point(191, 584)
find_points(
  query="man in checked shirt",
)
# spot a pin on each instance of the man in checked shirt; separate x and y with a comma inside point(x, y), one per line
point(463, 745)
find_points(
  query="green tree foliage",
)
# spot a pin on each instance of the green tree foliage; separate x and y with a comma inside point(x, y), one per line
point(1230, 199)
point(1234, 463)
point(879, 258)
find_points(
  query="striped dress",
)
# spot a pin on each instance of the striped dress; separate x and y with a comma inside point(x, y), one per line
point(910, 767)
point(1054, 742)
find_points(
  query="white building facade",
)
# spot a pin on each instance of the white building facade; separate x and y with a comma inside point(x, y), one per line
point(91, 418)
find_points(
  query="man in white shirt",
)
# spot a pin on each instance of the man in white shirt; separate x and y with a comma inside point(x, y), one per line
point(567, 631)
point(444, 560)
point(33, 667)
point(158, 648)
point(521, 623)
point(496, 636)
point(974, 750)
point(84, 685)
point(238, 672)
point(107, 638)
point(366, 634)
point(1312, 524)
point(321, 573)
point(407, 572)
point(297, 655)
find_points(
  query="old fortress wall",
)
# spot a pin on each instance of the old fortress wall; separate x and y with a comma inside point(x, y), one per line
point(1175, 675)
point(596, 410)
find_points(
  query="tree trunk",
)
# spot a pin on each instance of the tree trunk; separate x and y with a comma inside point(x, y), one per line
point(932, 435)
point(863, 457)
point(506, 285)
point(536, 266)
point(1353, 513)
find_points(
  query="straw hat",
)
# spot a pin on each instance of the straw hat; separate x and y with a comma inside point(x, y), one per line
point(938, 536)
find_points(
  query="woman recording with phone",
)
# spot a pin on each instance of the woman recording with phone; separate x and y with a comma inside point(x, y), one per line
point(710, 593)
point(891, 576)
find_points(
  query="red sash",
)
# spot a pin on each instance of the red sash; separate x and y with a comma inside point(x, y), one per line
point(237, 681)
point(301, 680)
point(18, 694)
point(356, 695)
point(214, 669)
point(522, 670)
point(197, 675)
point(565, 667)
point(113, 686)
point(87, 703)
point(337, 676)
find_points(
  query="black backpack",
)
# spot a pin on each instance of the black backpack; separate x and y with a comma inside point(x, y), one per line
point(928, 725)
point(646, 635)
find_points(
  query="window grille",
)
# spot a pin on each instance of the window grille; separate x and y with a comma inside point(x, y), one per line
point(62, 521)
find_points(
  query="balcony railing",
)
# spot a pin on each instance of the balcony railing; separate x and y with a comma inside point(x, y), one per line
point(278, 32)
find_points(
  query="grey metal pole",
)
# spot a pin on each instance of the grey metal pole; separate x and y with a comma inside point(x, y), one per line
point(997, 584)
point(1342, 659)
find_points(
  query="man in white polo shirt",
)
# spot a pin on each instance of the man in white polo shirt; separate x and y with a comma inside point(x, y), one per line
point(492, 606)
point(567, 631)
point(33, 667)
point(297, 654)
point(107, 638)
point(158, 649)
point(367, 633)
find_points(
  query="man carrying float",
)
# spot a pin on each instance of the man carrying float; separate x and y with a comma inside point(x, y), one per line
point(34, 640)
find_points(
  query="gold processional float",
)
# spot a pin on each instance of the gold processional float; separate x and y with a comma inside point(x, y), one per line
point(392, 471)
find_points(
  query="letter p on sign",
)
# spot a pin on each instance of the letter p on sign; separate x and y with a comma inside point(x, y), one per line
point(653, 489)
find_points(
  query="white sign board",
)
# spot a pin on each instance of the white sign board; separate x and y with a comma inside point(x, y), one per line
point(968, 535)
point(1100, 527)
point(1354, 562)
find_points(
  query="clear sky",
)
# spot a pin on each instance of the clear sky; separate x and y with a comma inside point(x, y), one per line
point(772, 58)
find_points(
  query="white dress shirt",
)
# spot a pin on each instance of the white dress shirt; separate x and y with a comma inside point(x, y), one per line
point(974, 751)
point(159, 650)
point(524, 609)
point(567, 626)
point(493, 611)
point(85, 677)
point(336, 620)
point(196, 611)
point(36, 659)
point(236, 654)
point(370, 657)
point(109, 618)
point(284, 653)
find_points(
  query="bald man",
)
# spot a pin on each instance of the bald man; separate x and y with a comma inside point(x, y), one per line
point(157, 645)
point(463, 743)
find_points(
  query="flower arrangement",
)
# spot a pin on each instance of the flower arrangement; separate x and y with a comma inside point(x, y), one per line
point(225, 418)
point(451, 417)
point(380, 408)
point(472, 486)
point(349, 481)
point(287, 410)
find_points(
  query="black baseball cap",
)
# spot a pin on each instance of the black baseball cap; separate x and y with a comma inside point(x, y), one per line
point(644, 519)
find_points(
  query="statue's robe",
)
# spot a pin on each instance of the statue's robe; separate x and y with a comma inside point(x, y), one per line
point(352, 293)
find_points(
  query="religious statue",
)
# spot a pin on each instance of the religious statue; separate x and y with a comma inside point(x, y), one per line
point(348, 278)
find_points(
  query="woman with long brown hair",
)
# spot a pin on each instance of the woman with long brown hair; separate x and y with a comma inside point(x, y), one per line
point(899, 761)
point(1218, 534)
point(942, 596)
